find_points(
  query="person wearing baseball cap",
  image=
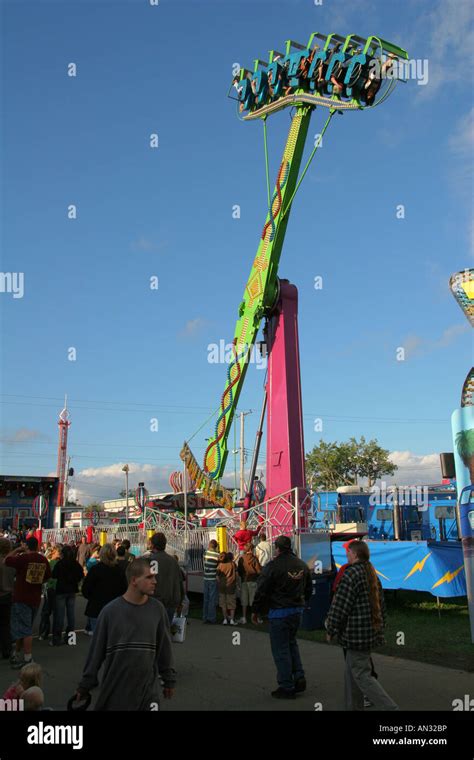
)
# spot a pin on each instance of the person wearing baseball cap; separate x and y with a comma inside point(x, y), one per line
point(341, 570)
point(284, 589)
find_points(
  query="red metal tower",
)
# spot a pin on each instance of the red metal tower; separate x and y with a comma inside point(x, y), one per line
point(64, 424)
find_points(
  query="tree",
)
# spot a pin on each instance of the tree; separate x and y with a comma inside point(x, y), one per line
point(465, 447)
point(324, 466)
point(330, 465)
point(373, 461)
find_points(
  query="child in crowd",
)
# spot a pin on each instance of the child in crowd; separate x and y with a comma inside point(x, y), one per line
point(227, 580)
point(30, 675)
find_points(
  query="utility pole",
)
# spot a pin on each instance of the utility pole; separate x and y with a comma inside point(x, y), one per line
point(235, 451)
point(126, 470)
point(242, 452)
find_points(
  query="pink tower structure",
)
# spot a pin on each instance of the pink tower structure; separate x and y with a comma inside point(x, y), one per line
point(63, 424)
point(285, 480)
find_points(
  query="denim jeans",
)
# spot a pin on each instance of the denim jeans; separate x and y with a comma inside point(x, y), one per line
point(285, 650)
point(64, 603)
point(211, 598)
point(49, 604)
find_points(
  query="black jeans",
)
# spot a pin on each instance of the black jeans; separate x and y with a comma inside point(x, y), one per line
point(65, 603)
point(285, 650)
point(5, 612)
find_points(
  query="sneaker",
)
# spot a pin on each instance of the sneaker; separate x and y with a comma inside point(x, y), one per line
point(368, 703)
point(225, 622)
point(283, 693)
point(242, 621)
point(232, 622)
point(259, 620)
point(300, 685)
point(43, 637)
point(89, 633)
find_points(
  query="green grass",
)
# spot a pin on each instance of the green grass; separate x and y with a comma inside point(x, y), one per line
point(439, 636)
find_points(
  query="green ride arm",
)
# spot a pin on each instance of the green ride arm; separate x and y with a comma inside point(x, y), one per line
point(261, 289)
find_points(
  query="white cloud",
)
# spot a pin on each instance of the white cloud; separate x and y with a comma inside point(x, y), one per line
point(461, 145)
point(22, 435)
point(416, 345)
point(99, 483)
point(145, 244)
point(414, 468)
point(451, 41)
point(193, 327)
point(412, 344)
point(462, 139)
point(450, 334)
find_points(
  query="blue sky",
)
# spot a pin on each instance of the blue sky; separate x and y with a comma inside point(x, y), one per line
point(167, 212)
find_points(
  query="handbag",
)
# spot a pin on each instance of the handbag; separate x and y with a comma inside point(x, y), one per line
point(178, 629)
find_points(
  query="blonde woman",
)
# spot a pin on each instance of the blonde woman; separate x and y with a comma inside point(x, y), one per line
point(357, 619)
point(104, 582)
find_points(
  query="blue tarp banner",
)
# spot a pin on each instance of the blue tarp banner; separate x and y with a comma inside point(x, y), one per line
point(415, 566)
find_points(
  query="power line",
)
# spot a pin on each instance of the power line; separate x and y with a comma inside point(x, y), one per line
point(336, 418)
point(180, 409)
point(94, 443)
point(80, 456)
point(153, 410)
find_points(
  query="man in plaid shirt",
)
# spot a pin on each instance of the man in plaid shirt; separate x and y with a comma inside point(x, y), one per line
point(357, 617)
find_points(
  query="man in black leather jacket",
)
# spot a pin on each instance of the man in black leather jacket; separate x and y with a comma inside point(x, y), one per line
point(284, 589)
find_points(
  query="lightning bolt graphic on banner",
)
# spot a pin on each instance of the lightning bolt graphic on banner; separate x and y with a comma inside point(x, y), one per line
point(377, 571)
point(418, 566)
point(448, 577)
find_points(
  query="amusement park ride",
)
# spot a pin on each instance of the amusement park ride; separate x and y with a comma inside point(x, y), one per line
point(341, 74)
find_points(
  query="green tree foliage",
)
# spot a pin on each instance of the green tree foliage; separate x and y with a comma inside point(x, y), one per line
point(94, 506)
point(330, 465)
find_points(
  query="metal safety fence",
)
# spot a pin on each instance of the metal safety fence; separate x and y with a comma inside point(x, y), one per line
point(283, 514)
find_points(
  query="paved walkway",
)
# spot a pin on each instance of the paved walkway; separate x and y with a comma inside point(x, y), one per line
point(217, 673)
point(219, 670)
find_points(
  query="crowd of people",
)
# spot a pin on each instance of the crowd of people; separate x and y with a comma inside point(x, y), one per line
point(132, 602)
point(281, 588)
point(55, 574)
